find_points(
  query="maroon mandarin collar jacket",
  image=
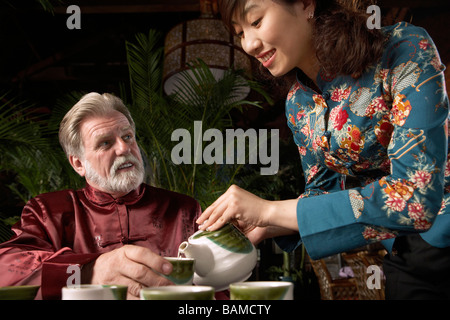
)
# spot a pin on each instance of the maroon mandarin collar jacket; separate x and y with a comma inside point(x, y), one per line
point(70, 227)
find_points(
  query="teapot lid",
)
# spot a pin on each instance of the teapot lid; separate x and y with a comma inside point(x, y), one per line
point(228, 237)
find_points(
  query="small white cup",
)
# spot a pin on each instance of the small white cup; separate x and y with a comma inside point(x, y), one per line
point(84, 292)
point(94, 292)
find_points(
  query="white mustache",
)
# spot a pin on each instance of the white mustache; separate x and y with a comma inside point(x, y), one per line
point(120, 161)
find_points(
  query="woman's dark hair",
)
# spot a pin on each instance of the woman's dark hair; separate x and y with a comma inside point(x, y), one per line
point(344, 44)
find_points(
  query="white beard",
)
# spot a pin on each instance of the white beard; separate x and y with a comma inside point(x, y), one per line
point(118, 182)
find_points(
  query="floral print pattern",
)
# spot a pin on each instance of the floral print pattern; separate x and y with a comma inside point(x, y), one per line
point(385, 130)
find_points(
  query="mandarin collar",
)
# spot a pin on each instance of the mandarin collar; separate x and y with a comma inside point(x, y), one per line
point(102, 198)
point(323, 80)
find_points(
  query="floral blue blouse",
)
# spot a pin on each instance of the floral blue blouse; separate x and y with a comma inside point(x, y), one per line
point(386, 132)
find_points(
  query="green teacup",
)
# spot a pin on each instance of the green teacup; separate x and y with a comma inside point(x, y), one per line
point(117, 292)
point(183, 270)
point(178, 293)
point(18, 292)
point(262, 290)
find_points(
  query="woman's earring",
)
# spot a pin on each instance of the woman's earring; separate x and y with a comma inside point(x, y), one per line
point(311, 15)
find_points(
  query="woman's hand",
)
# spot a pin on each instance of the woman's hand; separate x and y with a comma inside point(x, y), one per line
point(248, 211)
point(238, 206)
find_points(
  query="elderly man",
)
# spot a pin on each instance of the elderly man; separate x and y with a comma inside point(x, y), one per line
point(116, 229)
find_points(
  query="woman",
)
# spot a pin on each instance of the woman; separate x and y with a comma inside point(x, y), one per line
point(369, 115)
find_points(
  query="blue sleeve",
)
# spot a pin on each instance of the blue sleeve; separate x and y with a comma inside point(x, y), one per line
point(409, 198)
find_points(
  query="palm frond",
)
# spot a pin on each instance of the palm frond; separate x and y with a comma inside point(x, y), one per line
point(199, 96)
point(45, 171)
point(19, 129)
point(29, 148)
point(5, 232)
point(144, 59)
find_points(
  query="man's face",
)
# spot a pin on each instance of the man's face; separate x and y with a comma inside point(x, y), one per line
point(112, 161)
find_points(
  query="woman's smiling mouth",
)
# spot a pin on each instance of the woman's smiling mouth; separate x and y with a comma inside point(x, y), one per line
point(267, 58)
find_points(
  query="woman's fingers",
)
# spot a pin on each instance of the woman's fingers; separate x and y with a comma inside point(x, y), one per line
point(214, 213)
point(215, 210)
point(210, 210)
point(235, 204)
point(217, 221)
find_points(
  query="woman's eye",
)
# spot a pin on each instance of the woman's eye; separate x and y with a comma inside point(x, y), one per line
point(256, 22)
point(238, 32)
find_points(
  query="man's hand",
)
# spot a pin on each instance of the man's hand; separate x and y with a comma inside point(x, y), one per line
point(134, 266)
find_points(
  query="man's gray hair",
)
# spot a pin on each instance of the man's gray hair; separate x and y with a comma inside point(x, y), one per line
point(90, 105)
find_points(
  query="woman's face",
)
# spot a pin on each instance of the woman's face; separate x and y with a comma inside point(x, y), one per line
point(276, 34)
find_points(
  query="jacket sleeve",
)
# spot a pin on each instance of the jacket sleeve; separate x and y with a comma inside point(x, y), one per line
point(410, 198)
point(36, 256)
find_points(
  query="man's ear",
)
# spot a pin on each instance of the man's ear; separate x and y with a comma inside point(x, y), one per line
point(77, 165)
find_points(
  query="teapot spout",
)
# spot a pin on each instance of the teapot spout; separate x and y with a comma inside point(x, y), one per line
point(183, 249)
point(204, 259)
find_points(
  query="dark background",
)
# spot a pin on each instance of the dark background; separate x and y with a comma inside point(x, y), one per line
point(41, 59)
